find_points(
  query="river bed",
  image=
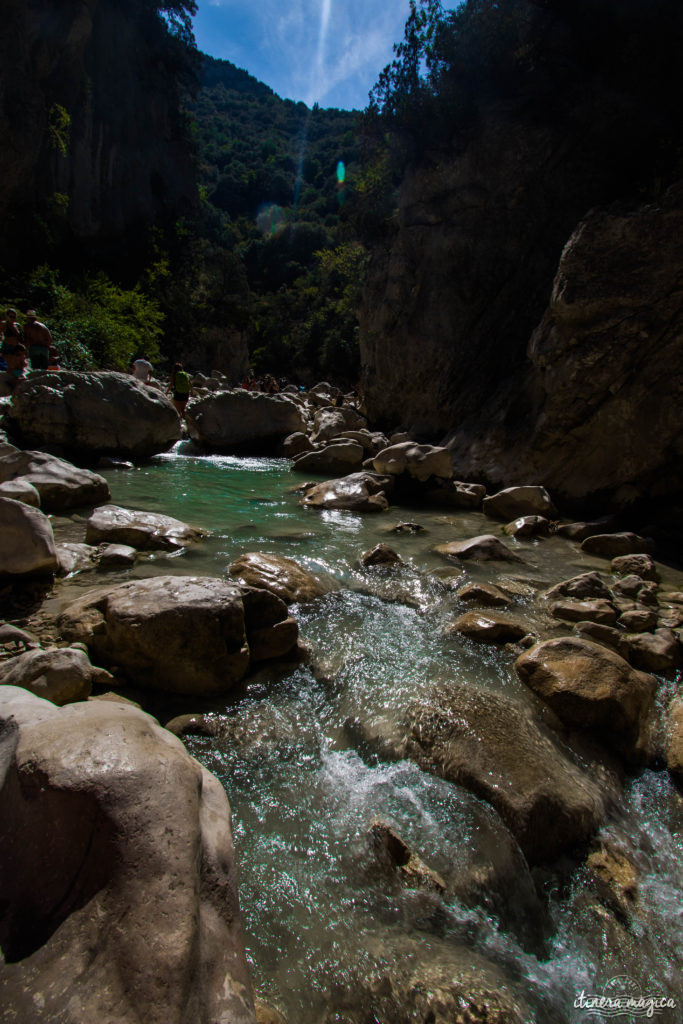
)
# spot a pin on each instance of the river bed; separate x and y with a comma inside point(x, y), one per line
point(303, 790)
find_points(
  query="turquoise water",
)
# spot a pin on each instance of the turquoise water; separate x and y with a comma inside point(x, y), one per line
point(304, 789)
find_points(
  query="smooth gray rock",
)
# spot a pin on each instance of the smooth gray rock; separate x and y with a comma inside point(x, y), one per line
point(141, 530)
point(27, 544)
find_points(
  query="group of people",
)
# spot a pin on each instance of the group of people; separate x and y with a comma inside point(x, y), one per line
point(20, 348)
point(179, 385)
point(268, 384)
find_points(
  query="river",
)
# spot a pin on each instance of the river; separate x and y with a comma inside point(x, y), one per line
point(318, 911)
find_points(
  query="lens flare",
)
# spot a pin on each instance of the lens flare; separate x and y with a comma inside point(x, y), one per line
point(341, 172)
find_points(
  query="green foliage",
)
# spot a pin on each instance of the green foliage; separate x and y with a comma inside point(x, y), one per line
point(96, 323)
point(59, 128)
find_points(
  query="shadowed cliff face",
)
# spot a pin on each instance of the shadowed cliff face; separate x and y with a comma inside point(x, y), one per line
point(569, 377)
point(122, 163)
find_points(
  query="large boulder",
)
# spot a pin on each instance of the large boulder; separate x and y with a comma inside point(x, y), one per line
point(27, 544)
point(281, 576)
point(492, 746)
point(485, 548)
point(513, 502)
point(60, 485)
point(59, 674)
point(330, 422)
point(674, 740)
point(242, 420)
point(340, 456)
point(357, 492)
point(111, 524)
point(418, 461)
point(91, 413)
point(489, 628)
point(613, 545)
point(184, 634)
point(591, 687)
point(118, 889)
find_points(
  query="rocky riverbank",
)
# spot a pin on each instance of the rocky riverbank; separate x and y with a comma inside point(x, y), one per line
point(596, 656)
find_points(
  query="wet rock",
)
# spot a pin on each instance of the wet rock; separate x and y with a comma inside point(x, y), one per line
point(654, 652)
point(491, 745)
point(108, 462)
point(640, 620)
point(588, 584)
point(184, 634)
point(381, 554)
point(241, 420)
point(590, 611)
point(528, 526)
point(407, 528)
point(267, 1014)
point(331, 422)
point(634, 588)
point(336, 457)
point(144, 531)
point(417, 461)
point(12, 635)
point(296, 444)
point(281, 576)
point(140, 903)
point(20, 490)
point(481, 549)
point(115, 556)
point(191, 725)
point(393, 853)
point(60, 485)
point(605, 635)
point(358, 492)
point(93, 413)
point(484, 594)
point(74, 558)
point(673, 750)
point(613, 545)
point(579, 531)
point(27, 544)
point(514, 502)
point(457, 494)
point(402, 979)
point(591, 687)
point(60, 674)
point(488, 629)
point(615, 879)
point(636, 565)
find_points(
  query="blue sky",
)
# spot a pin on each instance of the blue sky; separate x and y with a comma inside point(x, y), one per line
point(325, 51)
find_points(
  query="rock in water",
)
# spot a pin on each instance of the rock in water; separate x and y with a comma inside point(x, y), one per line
point(89, 413)
point(184, 634)
point(60, 485)
point(27, 544)
point(118, 889)
point(281, 576)
point(589, 686)
point(485, 548)
point(141, 530)
point(520, 501)
point(492, 746)
point(241, 420)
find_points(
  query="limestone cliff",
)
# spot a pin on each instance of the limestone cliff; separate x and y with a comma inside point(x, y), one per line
point(93, 147)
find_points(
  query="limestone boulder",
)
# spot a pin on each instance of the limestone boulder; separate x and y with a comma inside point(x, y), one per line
point(485, 548)
point(613, 545)
point(513, 502)
point(296, 444)
point(357, 492)
point(116, 556)
point(579, 531)
point(638, 620)
point(591, 687)
point(636, 565)
point(336, 457)
point(20, 490)
point(59, 674)
point(61, 485)
point(608, 636)
point(27, 544)
point(417, 461)
point(527, 526)
point(118, 893)
point(654, 652)
point(381, 554)
point(184, 634)
point(488, 629)
point(144, 531)
point(493, 747)
point(330, 422)
point(584, 611)
point(484, 594)
point(74, 557)
point(240, 420)
point(271, 631)
point(88, 413)
point(281, 576)
point(588, 584)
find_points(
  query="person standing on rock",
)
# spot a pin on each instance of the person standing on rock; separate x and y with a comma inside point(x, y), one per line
point(38, 340)
point(143, 369)
point(179, 388)
point(11, 333)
